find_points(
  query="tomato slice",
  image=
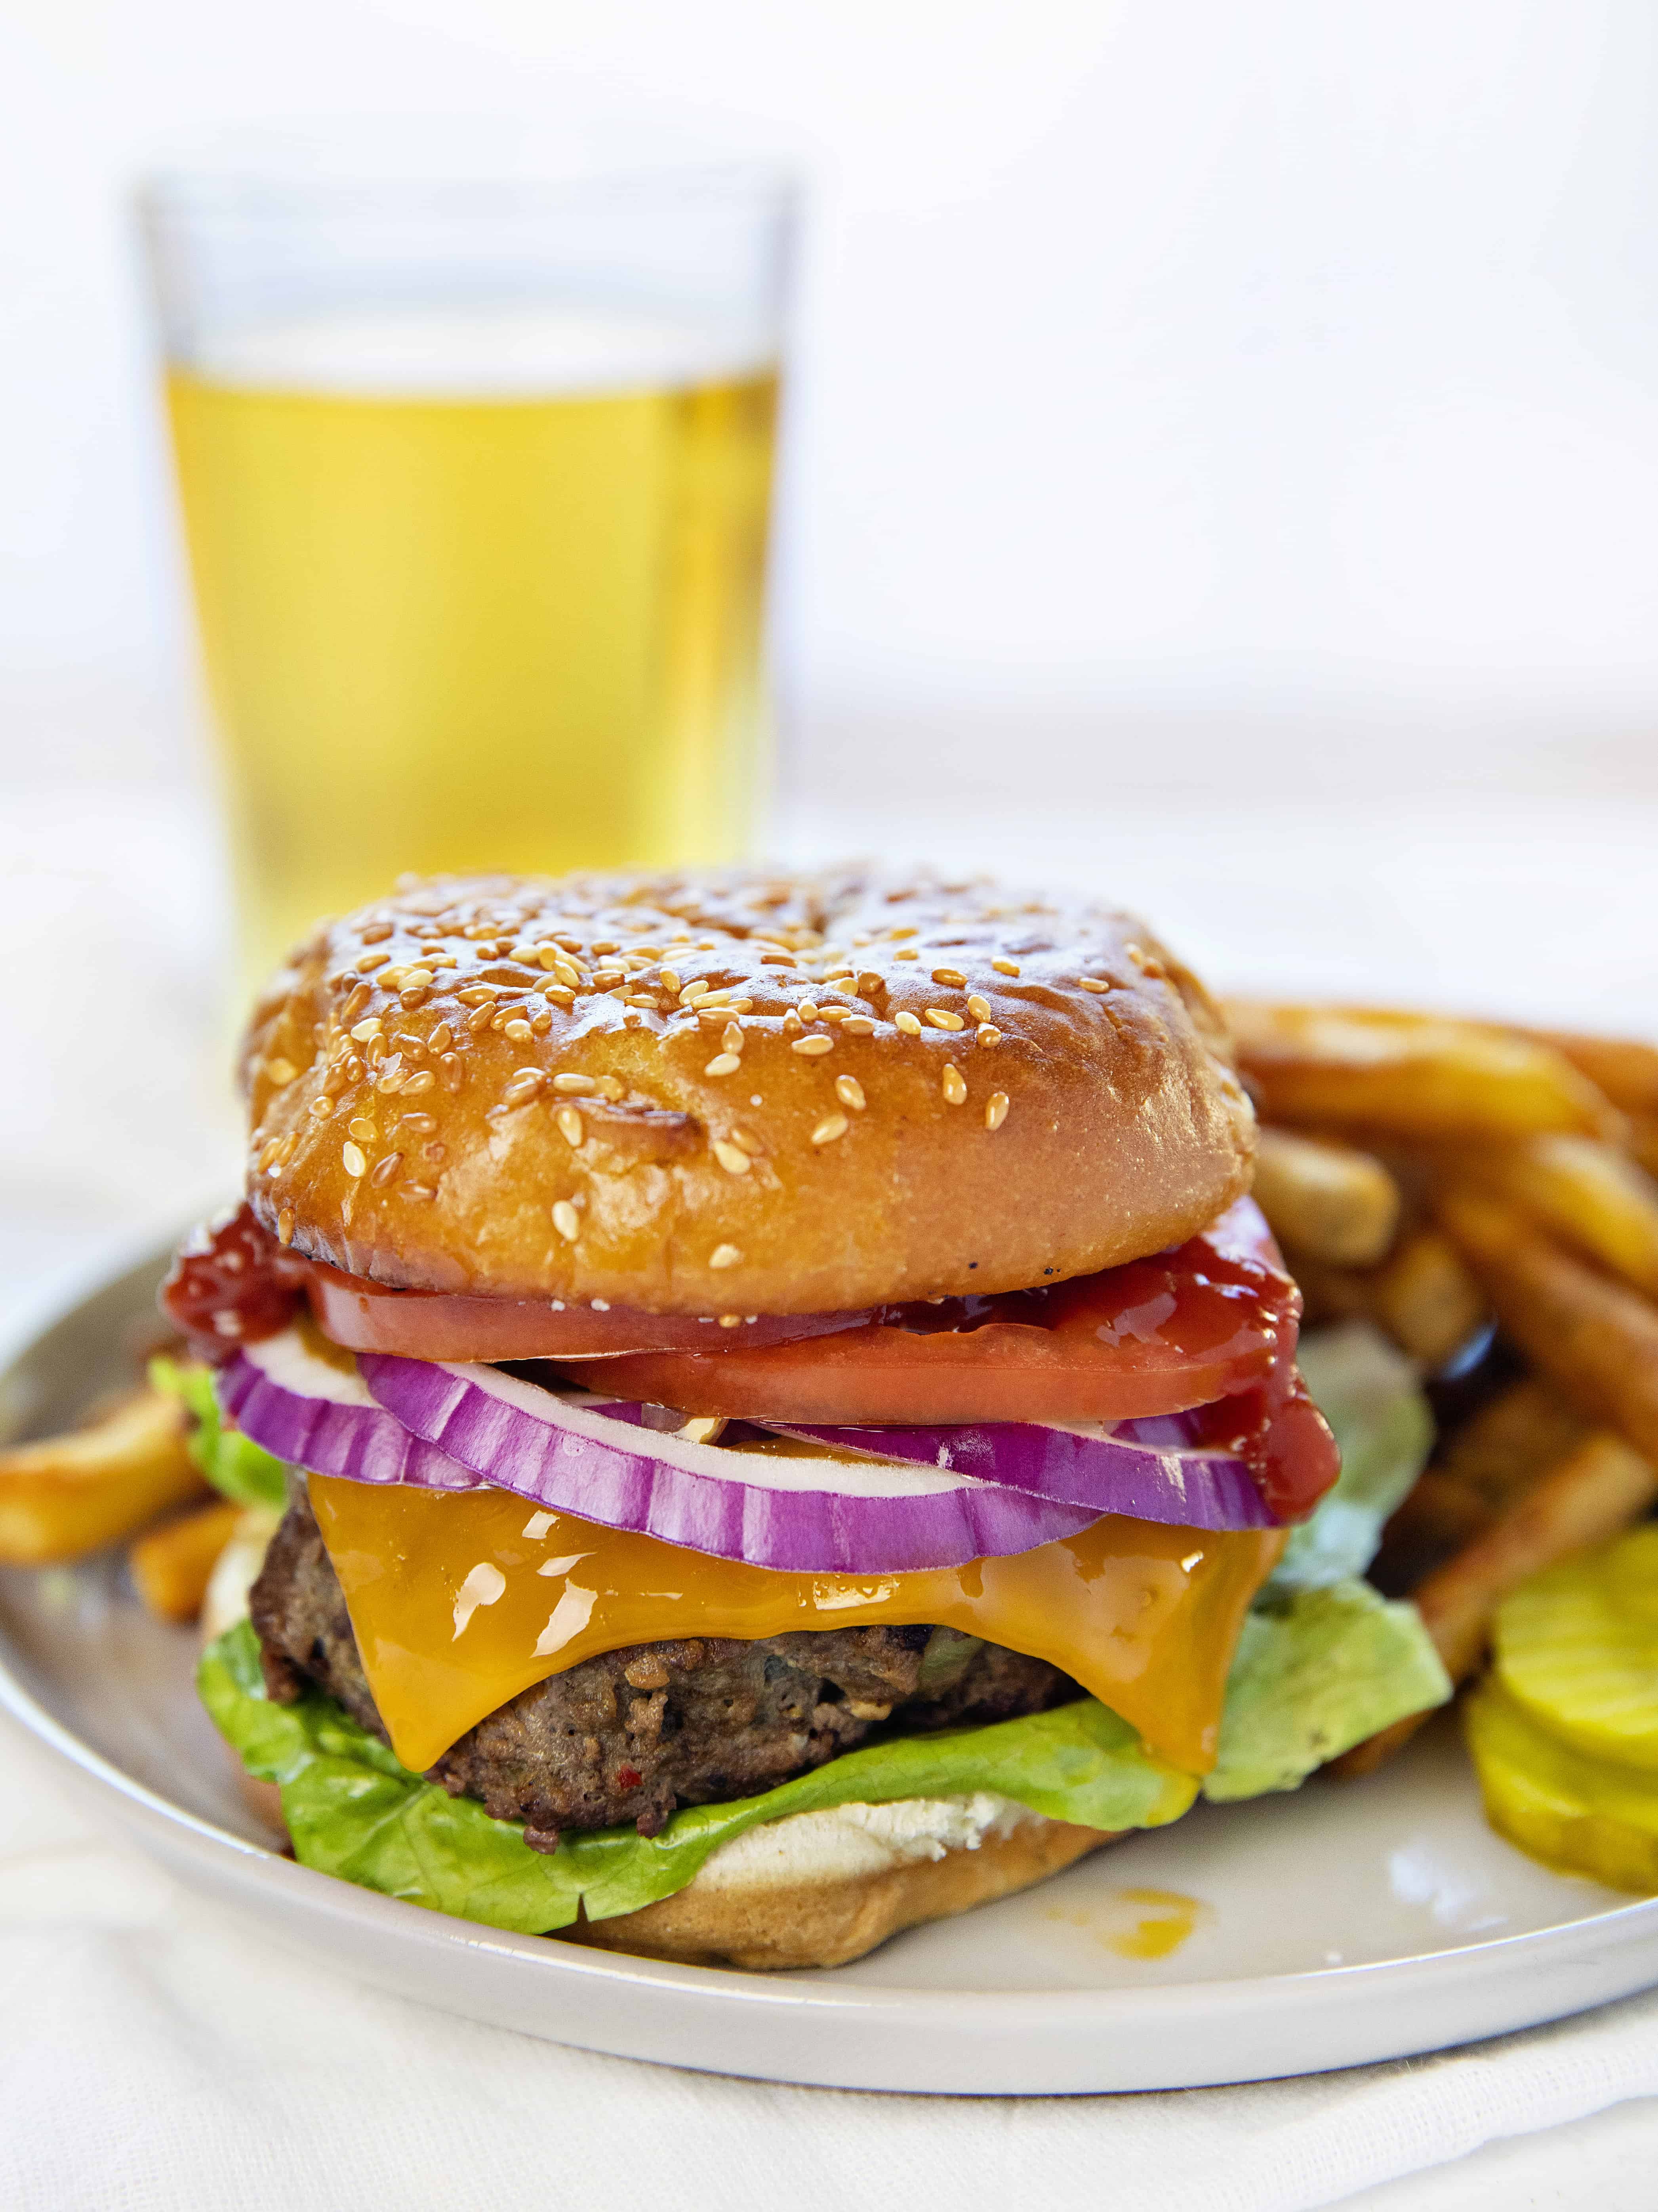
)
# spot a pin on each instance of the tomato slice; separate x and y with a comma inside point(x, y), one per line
point(1211, 1318)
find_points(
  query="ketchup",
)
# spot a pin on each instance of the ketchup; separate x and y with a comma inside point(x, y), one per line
point(232, 1283)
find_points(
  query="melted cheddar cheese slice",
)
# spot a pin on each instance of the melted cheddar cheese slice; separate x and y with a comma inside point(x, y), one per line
point(460, 1600)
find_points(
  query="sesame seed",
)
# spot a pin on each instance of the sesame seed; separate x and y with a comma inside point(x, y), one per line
point(850, 1092)
point(942, 1018)
point(285, 1227)
point(605, 944)
point(269, 1153)
point(725, 1255)
point(418, 1190)
point(376, 933)
point(953, 1086)
point(354, 1004)
point(731, 1320)
point(832, 1014)
point(409, 999)
point(831, 1126)
point(996, 1110)
point(451, 1068)
point(573, 1085)
point(610, 1087)
point(859, 1026)
point(352, 1159)
point(732, 1037)
point(988, 1033)
point(692, 992)
point(417, 979)
point(558, 994)
point(907, 1024)
point(479, 995)
point(897, 934)
point(807, 1010)
point(948, 976)
point(480, 1018)
point(1005, 966)
point(644, 998)
point(747, 1139)
point(906, 954)
point(280, 1072)
point(519, 1031)
point(731, 1157)
point(370, 961)
point(1092, 983)
point(541, 1023)
point(978, 1007)
point(809, 1047)
point(723, 1063)
point(361, 1125)
point(425, 1080)
point(672, 981)
point(364, 1030)
point(869, 983)
point(570, 1126)
point(566, 1221)
point(386, 1170)
point(322, 1107)
point(418, 1124)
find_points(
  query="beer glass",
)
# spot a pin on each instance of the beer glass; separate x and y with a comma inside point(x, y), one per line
point(474, 476)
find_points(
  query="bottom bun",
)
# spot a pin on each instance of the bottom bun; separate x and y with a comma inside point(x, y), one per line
point(819, 1889)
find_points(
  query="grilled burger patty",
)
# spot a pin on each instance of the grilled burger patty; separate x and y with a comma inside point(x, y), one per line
point(630, 1734)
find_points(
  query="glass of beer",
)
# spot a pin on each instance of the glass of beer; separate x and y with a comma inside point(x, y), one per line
point(476, 477)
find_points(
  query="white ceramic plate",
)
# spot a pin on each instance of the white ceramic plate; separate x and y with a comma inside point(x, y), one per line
point(1329, 1928)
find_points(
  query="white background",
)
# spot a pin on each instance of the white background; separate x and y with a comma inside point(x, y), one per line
point(1288, 368)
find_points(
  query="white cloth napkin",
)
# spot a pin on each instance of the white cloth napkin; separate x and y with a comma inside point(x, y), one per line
point(155, 2053)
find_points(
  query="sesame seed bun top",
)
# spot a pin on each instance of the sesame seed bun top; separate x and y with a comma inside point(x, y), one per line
point(742, 1090)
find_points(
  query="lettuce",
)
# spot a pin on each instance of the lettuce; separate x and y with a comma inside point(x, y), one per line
point(1319, 1674)
point(1369, 1393)
point(233, 1463)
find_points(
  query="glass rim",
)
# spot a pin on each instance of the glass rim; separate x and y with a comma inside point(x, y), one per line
point(185, 190)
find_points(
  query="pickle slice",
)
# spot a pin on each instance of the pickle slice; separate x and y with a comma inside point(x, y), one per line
point(1577, 1647)
point(1579, 1815)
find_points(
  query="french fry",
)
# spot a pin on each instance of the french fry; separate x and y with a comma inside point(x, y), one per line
point(1643, 1140)
point(1597, 1338)
point(1411, 1075)
point(1326, 1199)
point(1426, 1298)
point(1588, 1193)
point(171, 1565)
point(1511, 1444)
point(70, 1495)
point(1625, 1070)
point(1598, 1489)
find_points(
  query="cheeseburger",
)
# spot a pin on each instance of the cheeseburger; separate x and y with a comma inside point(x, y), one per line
point(787, 1414)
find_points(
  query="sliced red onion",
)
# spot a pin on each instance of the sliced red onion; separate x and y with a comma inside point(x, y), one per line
point(315, 1415)
point(1148, 1468)
point(599, 1460)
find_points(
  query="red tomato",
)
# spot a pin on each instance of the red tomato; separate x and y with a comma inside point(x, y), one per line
point(1210, 1319)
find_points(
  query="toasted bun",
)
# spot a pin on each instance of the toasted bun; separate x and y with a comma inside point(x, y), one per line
point(827, 1916)
point(507, 1085)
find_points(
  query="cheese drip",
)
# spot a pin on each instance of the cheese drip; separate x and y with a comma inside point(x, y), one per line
point(462, 1599)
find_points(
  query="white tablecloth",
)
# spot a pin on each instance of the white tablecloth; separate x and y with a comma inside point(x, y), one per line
point(154, 2053)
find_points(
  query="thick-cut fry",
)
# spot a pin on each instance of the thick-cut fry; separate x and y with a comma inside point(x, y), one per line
point(1589, 1193)
point(1597, 1338)
point(1597, 1489)
point(1426, 1299)
point(1412, 1075)
point(1326, 1199)
point(171, 1565)
point(70, 1495)
point(1626, 1070)
point(1643, 1140)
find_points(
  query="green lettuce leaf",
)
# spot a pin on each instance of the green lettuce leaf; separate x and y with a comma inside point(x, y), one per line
point(1312, 1677)
point(1352, 1663)
point(1367, 1392)
point(232, 1463)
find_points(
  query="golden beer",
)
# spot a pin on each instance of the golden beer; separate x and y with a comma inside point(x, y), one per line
point(476, 591)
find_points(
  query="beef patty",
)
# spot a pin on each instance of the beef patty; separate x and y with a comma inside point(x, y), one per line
point(630, 1734)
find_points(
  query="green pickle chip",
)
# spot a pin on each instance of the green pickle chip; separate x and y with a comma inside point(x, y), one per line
point(1576, 1647)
